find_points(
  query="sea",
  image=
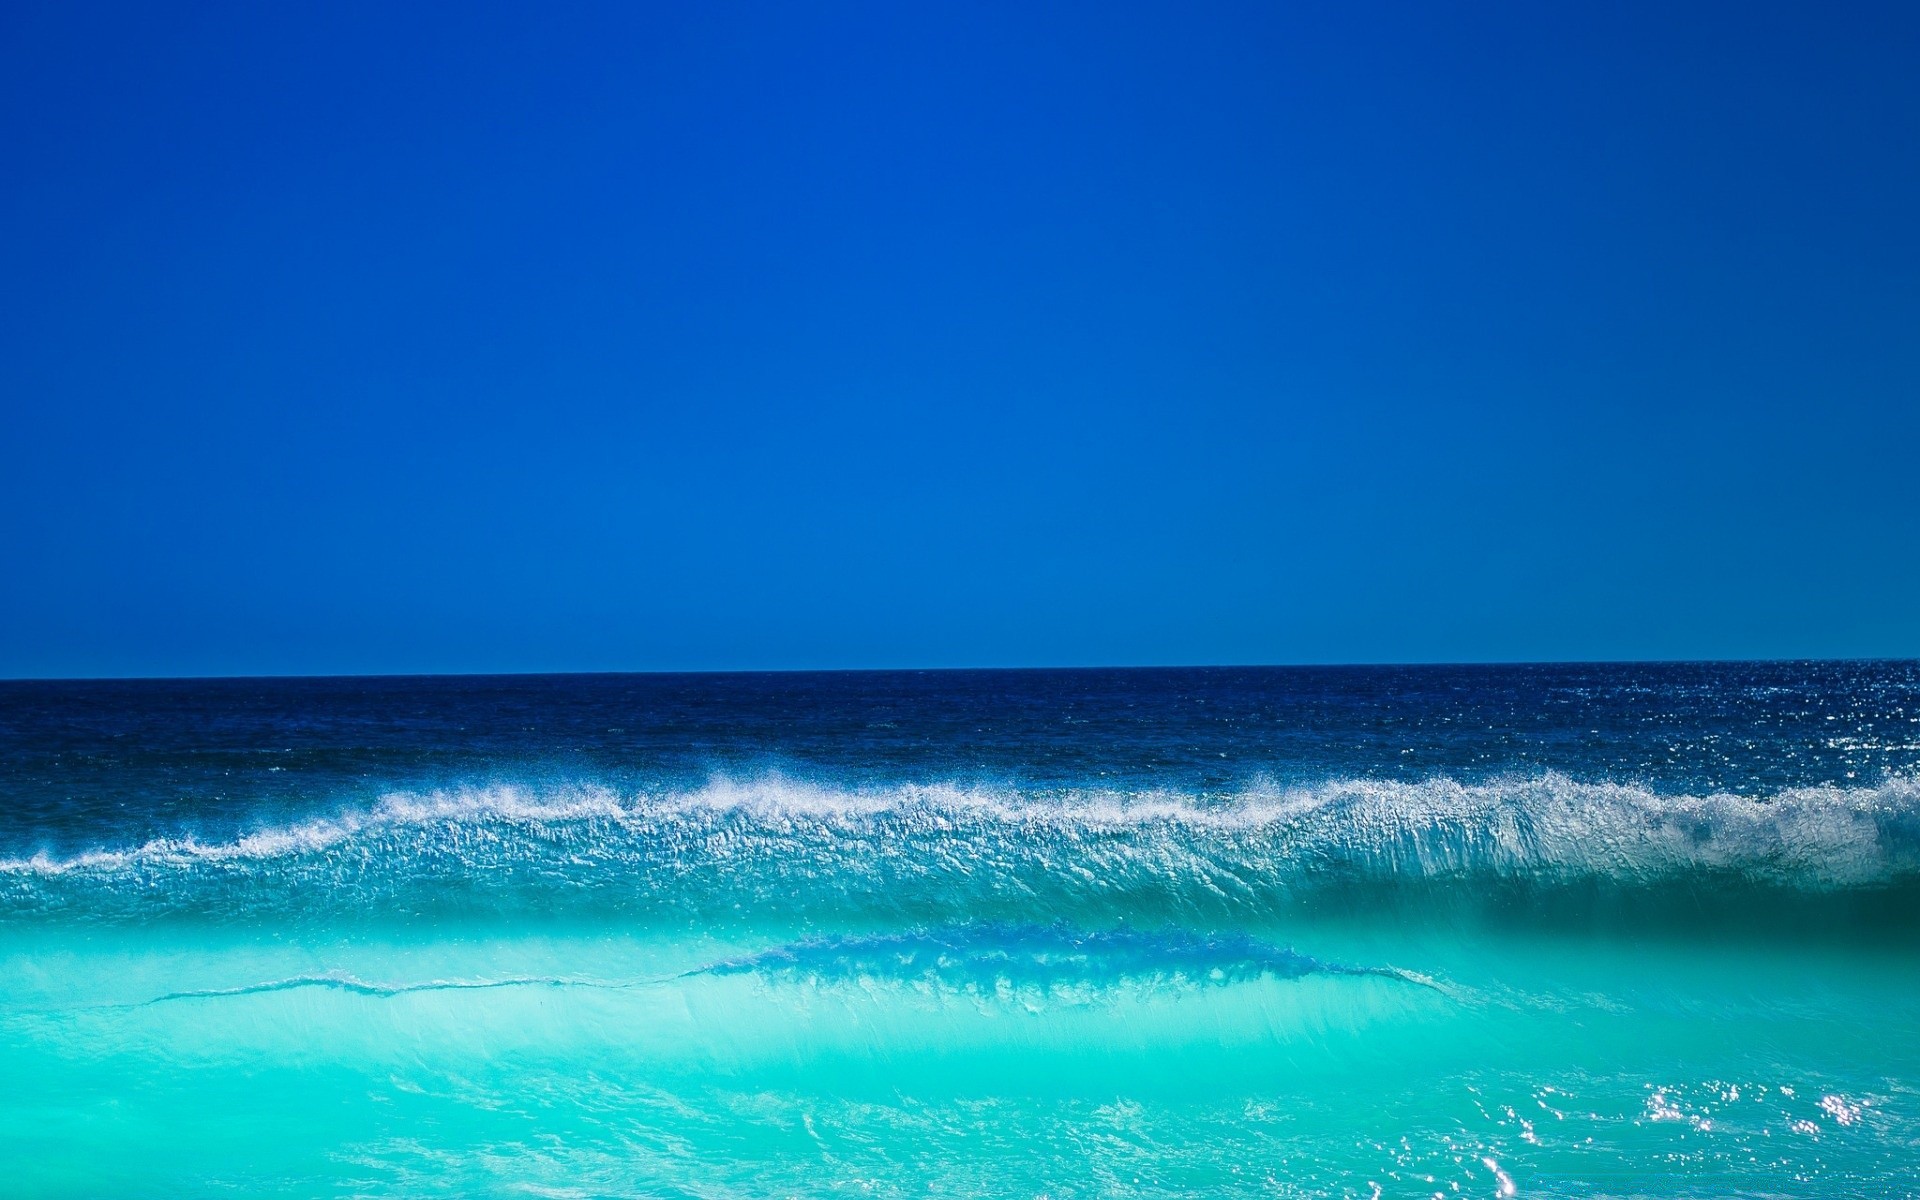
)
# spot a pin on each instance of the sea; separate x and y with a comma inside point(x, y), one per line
point(1629, 930)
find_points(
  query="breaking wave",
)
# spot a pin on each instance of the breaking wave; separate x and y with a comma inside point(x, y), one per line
point(941, 852)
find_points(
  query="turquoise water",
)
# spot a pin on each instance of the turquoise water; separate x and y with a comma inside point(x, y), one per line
point(566, 977)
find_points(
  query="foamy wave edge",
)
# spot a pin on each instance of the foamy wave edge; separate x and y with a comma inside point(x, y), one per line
point(1827, 835)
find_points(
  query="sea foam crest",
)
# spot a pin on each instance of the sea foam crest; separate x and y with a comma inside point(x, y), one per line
point(932, 849)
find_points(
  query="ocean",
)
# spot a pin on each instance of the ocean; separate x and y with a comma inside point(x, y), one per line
point(1554, 930)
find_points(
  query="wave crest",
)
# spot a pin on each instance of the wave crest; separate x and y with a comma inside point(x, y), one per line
point(940, 850)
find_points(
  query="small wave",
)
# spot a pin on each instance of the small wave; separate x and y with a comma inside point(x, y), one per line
point(975, 956)
point(1042, 955)
point(361, 987)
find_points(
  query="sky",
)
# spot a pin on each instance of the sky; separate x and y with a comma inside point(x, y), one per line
point(343, 339)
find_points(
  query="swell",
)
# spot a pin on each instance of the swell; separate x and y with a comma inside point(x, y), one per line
point(989, 954)
point(974, 957)
point(1540, 847)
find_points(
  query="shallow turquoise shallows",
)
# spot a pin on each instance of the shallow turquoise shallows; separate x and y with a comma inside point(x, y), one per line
point(1539, 931)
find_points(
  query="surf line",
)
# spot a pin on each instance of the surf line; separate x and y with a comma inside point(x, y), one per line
point(360, 987)
point(1038, 956)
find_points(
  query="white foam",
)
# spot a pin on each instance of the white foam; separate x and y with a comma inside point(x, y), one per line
point(1829, 836)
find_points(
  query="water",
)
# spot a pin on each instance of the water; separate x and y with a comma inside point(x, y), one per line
point(1448, 931)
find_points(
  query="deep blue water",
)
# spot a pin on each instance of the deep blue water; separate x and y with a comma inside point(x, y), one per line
point(85, 761)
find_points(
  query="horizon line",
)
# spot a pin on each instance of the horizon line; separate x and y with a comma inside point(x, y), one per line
point(957, 670)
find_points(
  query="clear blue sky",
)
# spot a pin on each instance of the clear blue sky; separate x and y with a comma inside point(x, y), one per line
point(341, 338)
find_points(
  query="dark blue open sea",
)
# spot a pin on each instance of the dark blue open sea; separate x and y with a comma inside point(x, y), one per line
point(1634, 930)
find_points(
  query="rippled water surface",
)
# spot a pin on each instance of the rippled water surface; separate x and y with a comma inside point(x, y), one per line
point(1559, 931)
